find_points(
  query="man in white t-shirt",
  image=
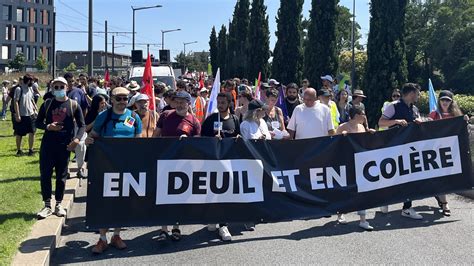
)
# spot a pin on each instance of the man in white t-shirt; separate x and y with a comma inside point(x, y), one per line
point(310, 119)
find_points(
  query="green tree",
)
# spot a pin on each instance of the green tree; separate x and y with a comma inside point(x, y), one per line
point(452, 24)
point(214, 50)
point(18, 62)
point(344, 30)
point(238, 38)
point(41, 63)
point(70, 68)
point(320, 52)
point(258, 50)
point(386, 63)
point(287, 55)
point(222, 52)
point(345, 64)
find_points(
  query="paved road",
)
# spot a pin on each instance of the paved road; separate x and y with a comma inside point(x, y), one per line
point(435, 239)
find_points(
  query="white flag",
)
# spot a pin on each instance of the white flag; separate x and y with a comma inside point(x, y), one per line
point(216, 88)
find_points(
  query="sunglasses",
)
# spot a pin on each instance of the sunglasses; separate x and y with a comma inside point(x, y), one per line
point(59, 87)
point(396, 96)
point(121, 98)
point(445, 100)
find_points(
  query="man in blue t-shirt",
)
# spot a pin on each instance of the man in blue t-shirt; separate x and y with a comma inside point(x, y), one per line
point(115, 122)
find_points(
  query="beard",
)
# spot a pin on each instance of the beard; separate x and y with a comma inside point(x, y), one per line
point(291, 98)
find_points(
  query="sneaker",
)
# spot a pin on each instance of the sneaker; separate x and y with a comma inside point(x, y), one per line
point(211, 227)
point(60, 211)
point(225, 234)
point(250, 227)
point(80, 174)
point(31, 153)
point(117, 242)
point(411, 213)
point(100, 247)
point(341, 219)
point(384, 209)
point(366, 226)
point(45, 212)
point(19, 153)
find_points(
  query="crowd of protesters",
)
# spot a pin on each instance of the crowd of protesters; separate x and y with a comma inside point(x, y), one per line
point(78, 110)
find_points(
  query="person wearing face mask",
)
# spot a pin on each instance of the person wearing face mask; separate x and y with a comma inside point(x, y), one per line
point(25, 111)
point(57, 117)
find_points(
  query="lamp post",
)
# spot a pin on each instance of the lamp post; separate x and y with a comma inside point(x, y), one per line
point(133, 24)
point(353, 46)
point(184, 51)
point(163, 37)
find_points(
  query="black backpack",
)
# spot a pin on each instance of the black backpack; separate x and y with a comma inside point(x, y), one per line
point(108, 118)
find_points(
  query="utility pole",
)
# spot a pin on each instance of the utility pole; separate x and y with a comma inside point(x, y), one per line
point(113, 53)
point(91, 49)
point(53, 62)
point(106, 64)
point(353, 47)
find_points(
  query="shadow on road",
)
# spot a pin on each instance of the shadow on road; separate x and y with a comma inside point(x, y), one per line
point(146, 244)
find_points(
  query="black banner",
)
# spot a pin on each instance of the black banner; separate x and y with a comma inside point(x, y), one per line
point(140, 182)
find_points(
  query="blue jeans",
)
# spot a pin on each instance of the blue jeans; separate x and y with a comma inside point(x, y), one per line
point(4, 109)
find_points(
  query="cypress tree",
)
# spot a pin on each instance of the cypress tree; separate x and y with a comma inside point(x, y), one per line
point(287, 55)
point(258, 49)
point(386, 61)
point(321, 50)
point(222, 52)
point(213, 50)
point(238, 37)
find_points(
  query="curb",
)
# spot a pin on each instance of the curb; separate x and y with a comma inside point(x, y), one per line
point(43, 239)
point(467, 194)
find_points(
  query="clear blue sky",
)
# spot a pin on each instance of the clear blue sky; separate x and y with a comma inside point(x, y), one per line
point(194, 17)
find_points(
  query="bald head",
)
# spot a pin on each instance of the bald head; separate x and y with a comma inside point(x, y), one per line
point(309, 97)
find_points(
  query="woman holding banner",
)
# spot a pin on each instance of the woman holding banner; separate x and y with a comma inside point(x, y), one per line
point(446, 108)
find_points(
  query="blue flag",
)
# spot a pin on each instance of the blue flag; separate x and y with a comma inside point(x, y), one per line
point(432, 97)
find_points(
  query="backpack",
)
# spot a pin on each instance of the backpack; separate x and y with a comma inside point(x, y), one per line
point(72, 104)
point(108, 118)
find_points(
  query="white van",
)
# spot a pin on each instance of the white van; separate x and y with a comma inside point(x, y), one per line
point(163, 73)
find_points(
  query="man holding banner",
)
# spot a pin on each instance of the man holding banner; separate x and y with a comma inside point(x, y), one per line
point(115, 122)
point(400, 113)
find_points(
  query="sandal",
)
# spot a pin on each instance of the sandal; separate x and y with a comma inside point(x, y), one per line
point(162, 235)
point(175, 235)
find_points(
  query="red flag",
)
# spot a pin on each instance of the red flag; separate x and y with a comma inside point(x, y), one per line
point(201, 81)
point(147, 84)
point(106, 78)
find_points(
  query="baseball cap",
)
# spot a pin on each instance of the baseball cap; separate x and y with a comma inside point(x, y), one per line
point(141, 97)
point(204, 90)
point(59, 80)
point(328, 78)
point(445, 94)
point(324, 92)
point(120, 91)
point(183, 95)
point(256, 104)
point(265, 85)
point(273, 81)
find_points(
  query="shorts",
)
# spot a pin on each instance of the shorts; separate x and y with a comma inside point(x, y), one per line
point(26, 126)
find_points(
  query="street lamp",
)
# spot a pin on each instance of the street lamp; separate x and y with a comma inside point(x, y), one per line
point(353, 47)
point(184, 51)
point(133, 25)
point(163, 37)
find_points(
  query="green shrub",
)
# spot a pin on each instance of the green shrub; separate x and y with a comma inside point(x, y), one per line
point(465, 102)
